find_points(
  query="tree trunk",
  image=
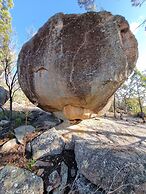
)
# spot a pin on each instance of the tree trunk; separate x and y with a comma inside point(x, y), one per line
point(140, 106)
point(125, 102)
point(11, 109)
point(114, 106)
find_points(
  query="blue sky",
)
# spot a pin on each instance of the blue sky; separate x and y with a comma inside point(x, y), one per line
point(29, 15)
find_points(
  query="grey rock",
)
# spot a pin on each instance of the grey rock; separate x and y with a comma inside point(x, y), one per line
point(64, 177)
point(84, 186)
point(40, 163)
point(76, 62)
point(22, 131)
point(111, 166)
point(28, 148)
point(64, 174)
point(4, 123)
point(43, 119)
point(4, 96)
point(54, 181)
point(15, 180)
point(9, 145)
point(49, 143)
point(73, 172)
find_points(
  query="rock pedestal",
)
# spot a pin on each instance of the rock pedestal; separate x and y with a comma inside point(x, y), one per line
point(76, 62)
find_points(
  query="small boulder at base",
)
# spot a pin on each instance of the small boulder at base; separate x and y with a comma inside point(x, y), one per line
point(18, 180)
point(76, 62)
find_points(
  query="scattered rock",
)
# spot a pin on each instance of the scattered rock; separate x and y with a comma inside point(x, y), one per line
point(28, 150)
point(22, 131)
point(40, 172)
point(4, 123)
point(64, 174)
point(40, 163)
point(17, 180)
point(48, 143)
point(4, 96)
point(73, 172)
point(9, 145)
point(54, 181)
point(84, 186)
point(64, 177)
point(80, 62)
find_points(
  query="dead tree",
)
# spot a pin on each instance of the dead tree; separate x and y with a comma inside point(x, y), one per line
point(11, 81)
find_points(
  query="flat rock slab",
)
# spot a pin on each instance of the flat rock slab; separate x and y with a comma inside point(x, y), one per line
point(16, 180)
point(49, 143)
point(110, 153)
point(111, 166)
point(22, 131)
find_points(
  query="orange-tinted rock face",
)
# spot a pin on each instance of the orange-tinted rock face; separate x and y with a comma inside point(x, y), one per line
point(77, 61)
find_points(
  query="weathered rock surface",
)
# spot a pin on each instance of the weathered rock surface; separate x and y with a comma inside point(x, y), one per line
point(4, 96)
point(4, 123)
point(22, 131)
point(112, 167)
point(110, 154)
point(107, 156)
point(84, 186)
point(64, 178)
point(48, 143)
point(54, 181)
point(42, 119)
point(9, 145)
point(76, 62)
point(17, 180)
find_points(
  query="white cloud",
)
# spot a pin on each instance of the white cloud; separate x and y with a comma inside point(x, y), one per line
point(141, 63)
point(134, 27)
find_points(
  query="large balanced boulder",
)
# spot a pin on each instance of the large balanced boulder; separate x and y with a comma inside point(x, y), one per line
point(76, 62)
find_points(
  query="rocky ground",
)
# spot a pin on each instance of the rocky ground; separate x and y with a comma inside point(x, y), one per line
point(95, 156)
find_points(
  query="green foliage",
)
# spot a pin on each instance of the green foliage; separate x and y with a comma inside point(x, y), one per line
point(131, 97)
point(5, 20)
point(2, 115)
point(137, 84)
point(30, 164)
point(5, 26)
point(17, 119)
point(133, 105)
point(18, 122)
